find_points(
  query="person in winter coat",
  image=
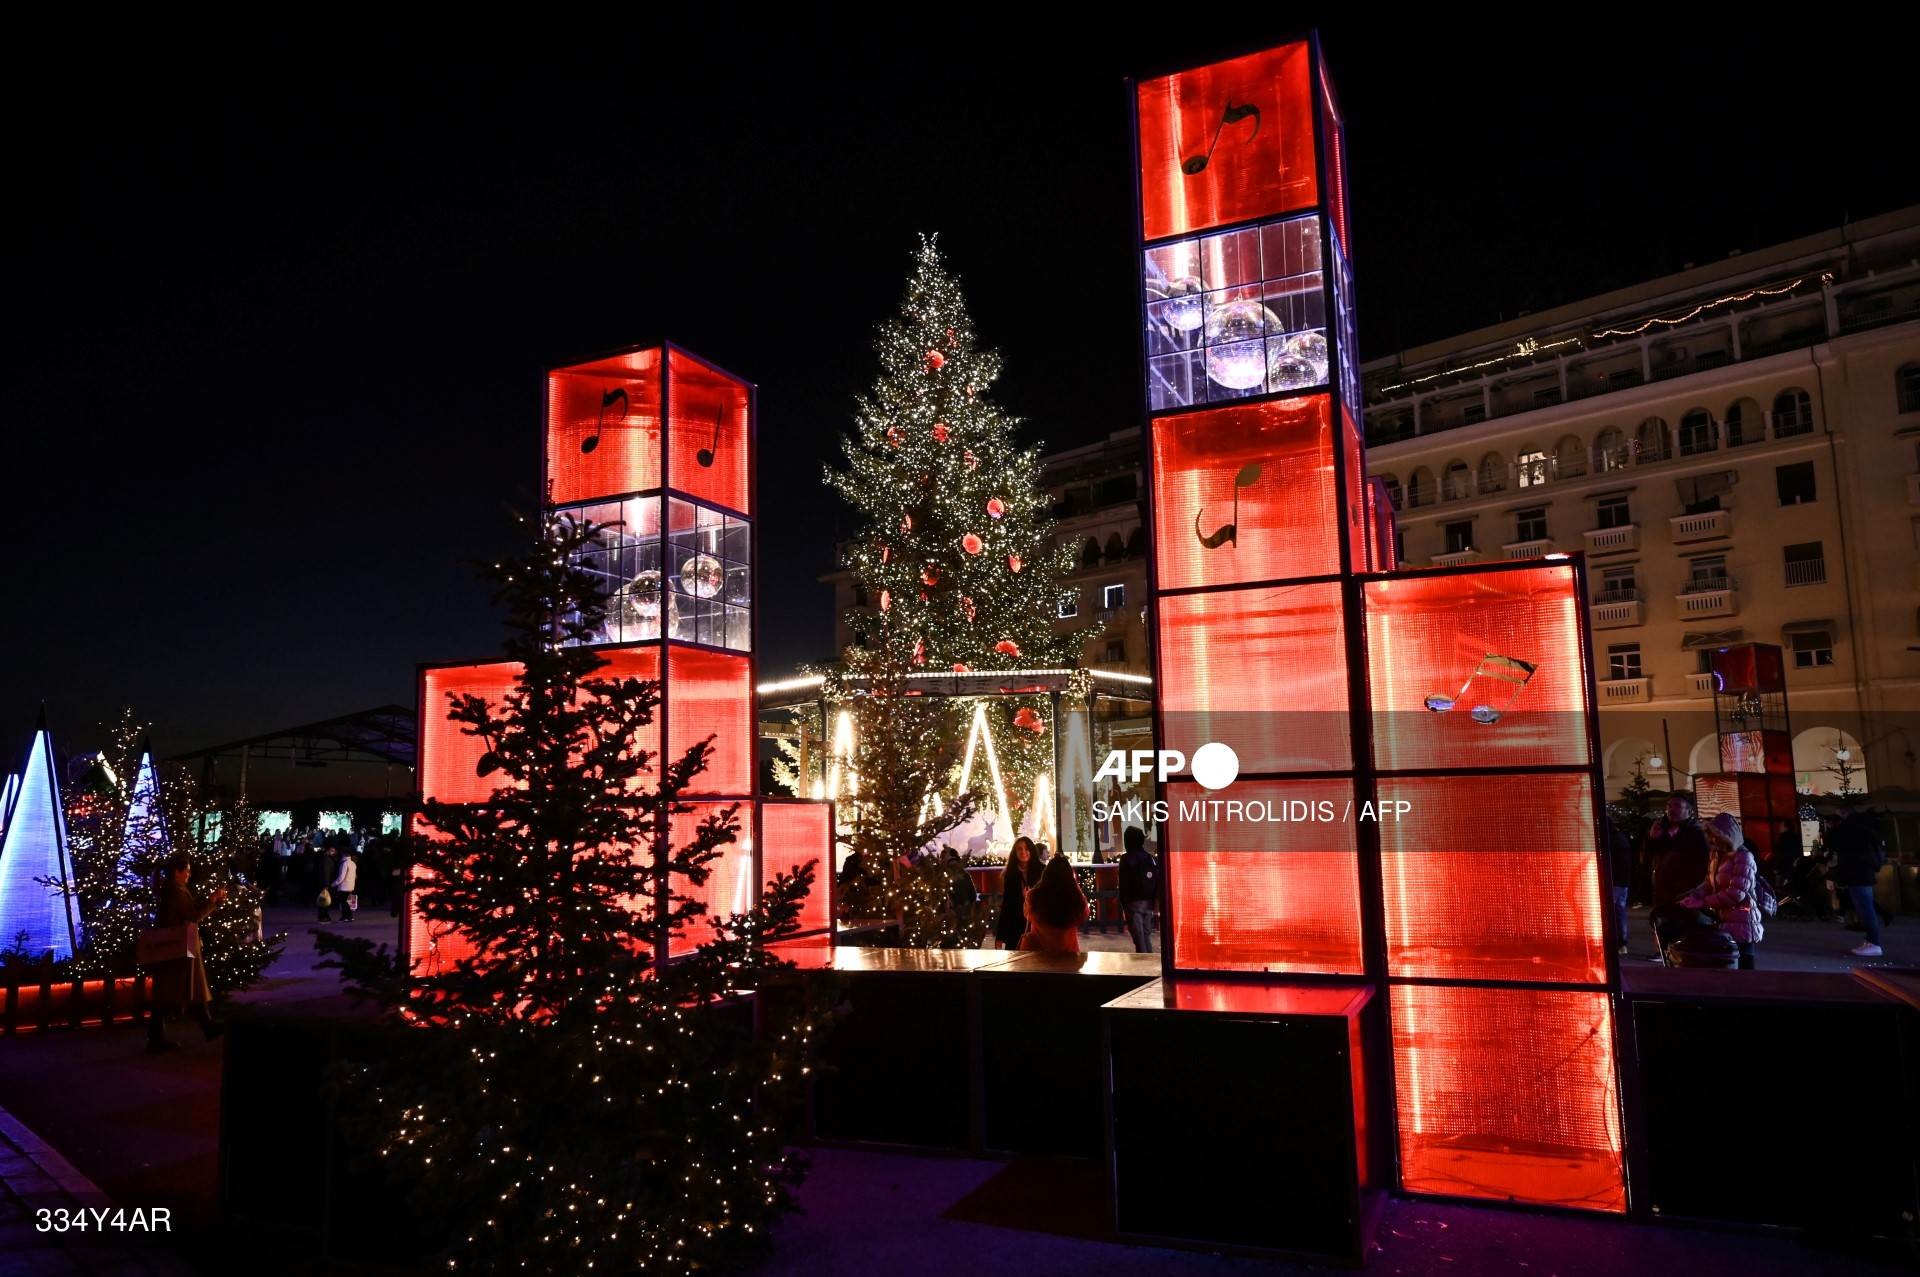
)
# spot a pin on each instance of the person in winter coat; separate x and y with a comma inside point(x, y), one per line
point(1677, 850)
point(1056, 906)
point(346, 882)
point(1730, 889)
point(1858, 854)
point(1139, 888)
point(1021, 873)
point(181, 985)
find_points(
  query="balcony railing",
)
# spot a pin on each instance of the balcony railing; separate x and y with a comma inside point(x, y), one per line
point(1614, 609)
point(1807, 572)
point(1529, 549)
point(1700, 684)
point(1702, 527)
point(1608, 540)
point(1624, 691)
point(1708, 596)
point(1456, 558)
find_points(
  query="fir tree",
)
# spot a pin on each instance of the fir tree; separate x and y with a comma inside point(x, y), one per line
point(956, 557)
point(575, 1103)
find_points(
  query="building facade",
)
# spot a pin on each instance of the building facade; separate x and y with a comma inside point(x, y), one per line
point(1737, 450)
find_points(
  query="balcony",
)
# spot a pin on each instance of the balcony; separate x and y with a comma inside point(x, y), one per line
point(1708, 596)
point(1913, 489)
point(1699, 684)
point(1807, 572)
point(1533, 549)
point(1625, 691)
point(1614, 610)
point(1456, 558)
point(1702, 527)
point(1613, 540)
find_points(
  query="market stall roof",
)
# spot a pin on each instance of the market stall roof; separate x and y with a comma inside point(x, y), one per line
point(384, 734)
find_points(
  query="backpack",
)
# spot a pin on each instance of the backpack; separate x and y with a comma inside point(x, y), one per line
point(1763, 898)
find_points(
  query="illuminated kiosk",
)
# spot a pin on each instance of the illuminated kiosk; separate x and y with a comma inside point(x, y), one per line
point(1460, 956)
point(33, 847)
point(1756, 777)
point(656, 445)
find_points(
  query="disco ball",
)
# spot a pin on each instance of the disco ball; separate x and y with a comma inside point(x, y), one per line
point(702, 576)
point(1288, 371)
point(1185, 310)
point(1234, 355)
point(1311, 347)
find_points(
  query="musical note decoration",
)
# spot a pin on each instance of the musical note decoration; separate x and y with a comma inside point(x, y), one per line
point(1194, 165)
point(1508, 671)
point(607, 399)
point(1228, 533)
point(706, 455)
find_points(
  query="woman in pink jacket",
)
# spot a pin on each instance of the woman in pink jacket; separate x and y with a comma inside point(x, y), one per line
point(1730, 890)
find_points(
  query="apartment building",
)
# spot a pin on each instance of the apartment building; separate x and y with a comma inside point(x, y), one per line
point(1737, 450)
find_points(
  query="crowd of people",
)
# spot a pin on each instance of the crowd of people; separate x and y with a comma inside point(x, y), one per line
point(332, 872)
point(1708, 899)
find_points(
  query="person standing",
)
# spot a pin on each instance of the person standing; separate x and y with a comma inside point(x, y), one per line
point(1056, 906)
point(181, 985)
point(1620, 861)
point(1858, 854)
point(1677, 850)
point(1139, 888)
point(346, 882)
point(1020, 874)
point(1730, 888)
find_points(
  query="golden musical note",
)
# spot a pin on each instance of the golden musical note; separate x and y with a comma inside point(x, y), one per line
point(1228, 532)
point(1195, 164)
point(617, 395)
point(1507, 670)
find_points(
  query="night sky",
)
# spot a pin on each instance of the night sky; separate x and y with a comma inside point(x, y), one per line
point(277, 313)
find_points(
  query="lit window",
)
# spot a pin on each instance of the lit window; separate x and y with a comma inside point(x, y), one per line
point(1532, 469)
point(1069, 605)
point(1113, 596)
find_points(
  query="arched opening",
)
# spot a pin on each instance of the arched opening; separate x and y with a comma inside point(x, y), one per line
point(1792, 413)
point(1458, 483)
point(1493, 473)
point(1704, 758)
point(1090, 554)
point(1745, 423)
point(1625, 758)
point(1827, 760)
point(1116, 548)
point(1906, 388)
point(1530, 466)
point(1569, 457)
point(1420, 488)
point(1137, 543)
point(1653, 441)
point(1696, 433)
point(1609, 450)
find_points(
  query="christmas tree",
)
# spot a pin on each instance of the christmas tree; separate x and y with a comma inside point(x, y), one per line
point(573, 1102)
point(956, 556)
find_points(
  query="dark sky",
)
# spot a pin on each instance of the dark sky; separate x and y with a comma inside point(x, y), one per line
point(277, 311)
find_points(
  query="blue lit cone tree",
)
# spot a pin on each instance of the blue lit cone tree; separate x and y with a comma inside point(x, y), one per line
point(570, 1105)
point(956, 557)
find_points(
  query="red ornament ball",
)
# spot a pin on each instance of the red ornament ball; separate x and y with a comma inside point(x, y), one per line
point(1029, 720)
point(935, 361)
point(1007, 647)
point(940, 432)
point(995, 508)
point(893, 437)
point(1013, 563)
point(972, 544)
point(961, 667)
point(886, 600)
point(930, 575)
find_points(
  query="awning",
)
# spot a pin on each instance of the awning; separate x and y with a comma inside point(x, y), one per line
point(1802, 627)
point(1712, 638)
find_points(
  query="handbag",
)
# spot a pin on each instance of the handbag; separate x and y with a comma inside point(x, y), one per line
point(324, 900)
point(157, 945)
point(353, 902)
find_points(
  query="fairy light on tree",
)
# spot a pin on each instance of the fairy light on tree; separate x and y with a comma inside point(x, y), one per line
point(570, 1103)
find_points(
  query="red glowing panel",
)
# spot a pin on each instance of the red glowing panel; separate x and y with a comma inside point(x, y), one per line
point(1756, 751)
point(1493, 878)
point(1245, 494)
point(1227, 143)
point(1385, 554)
point(1750, 667)
point(1502, 648)
point(730, 887)
point(1263, 670)
point(1356, 484)
point(1336, 165)
point(449, 759)
point(794, 834)
point(1508, 1094)
point(711, 694)
point(709, 433)
point(1265, 887)
point(603, 428)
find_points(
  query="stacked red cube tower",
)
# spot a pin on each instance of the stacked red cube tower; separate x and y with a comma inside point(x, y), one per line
point(1281, 628)
point(1756, 781)
point(656, 445)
